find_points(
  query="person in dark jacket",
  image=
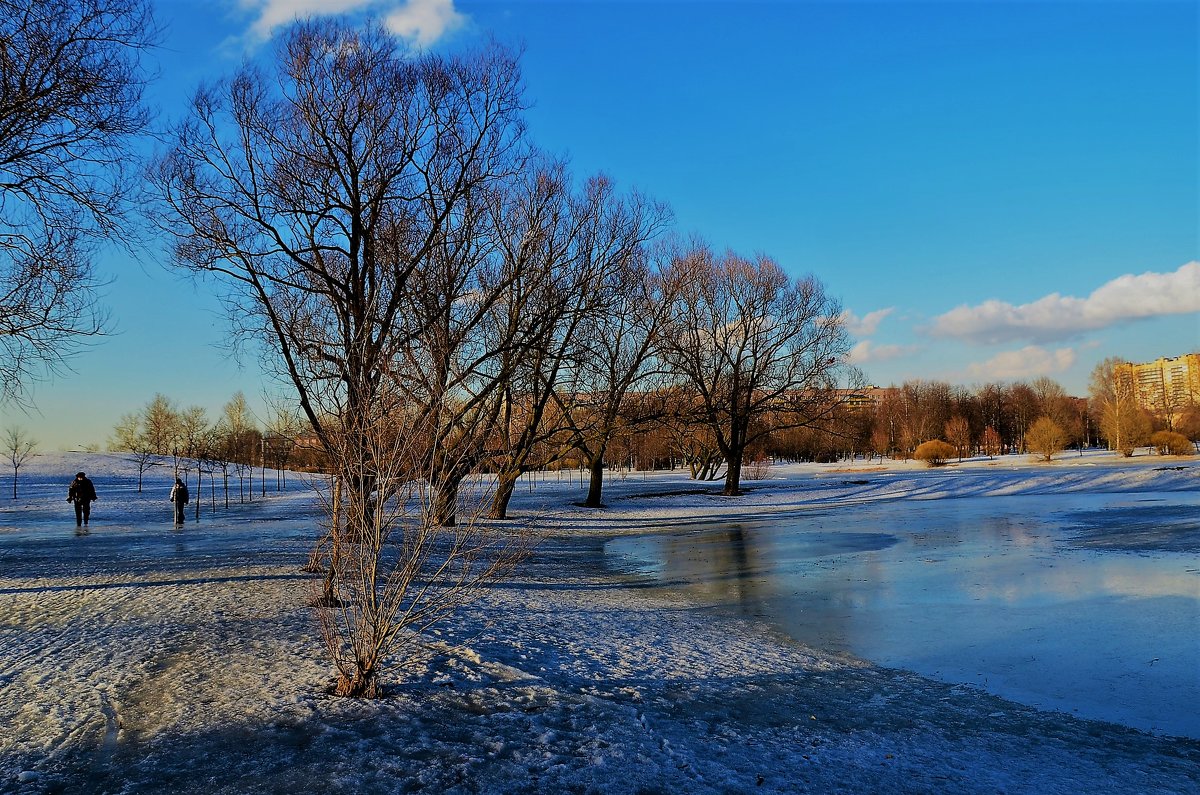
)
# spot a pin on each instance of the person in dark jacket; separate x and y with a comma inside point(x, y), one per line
point(179, 496)
point(82, 493)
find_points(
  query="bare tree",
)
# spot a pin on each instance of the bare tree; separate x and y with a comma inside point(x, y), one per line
point(19, 446)
point(692, 442)
point(317, 201)
point(883, 440)
point(240, 438)
point(989, 442)
point(148, 434)
point(161, 425)
point(591, 261)
point(483, 311)
point(316, 192)
point(992, 400)
point(1045, 438)
point(1114, 402)
point(130, 437)
point(958, 433)
point(761, 352)
point(925, 409)
point(280, 439)
point(1024, 407)
point(220, 450)
point(885, 433)
point(621, 343)
point(193, 429)
point(70, 104)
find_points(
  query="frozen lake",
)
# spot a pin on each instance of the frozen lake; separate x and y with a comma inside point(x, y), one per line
point(1083, 603)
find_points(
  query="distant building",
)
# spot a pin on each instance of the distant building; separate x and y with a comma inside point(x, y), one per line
point(867, 398)
point(1165, 386)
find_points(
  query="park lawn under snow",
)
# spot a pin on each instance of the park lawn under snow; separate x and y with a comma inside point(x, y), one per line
point(137, 658)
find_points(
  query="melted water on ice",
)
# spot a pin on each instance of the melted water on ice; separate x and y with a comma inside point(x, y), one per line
point(1087, 603)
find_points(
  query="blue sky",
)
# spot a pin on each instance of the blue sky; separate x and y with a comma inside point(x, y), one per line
point(993, 190)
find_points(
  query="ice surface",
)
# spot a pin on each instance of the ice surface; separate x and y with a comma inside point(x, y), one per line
point(1024, 596)
point(137, 658)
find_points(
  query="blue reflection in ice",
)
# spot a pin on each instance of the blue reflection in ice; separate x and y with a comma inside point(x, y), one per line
point(1085, 603)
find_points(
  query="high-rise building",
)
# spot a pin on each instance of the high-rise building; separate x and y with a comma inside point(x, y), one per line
point(1164, 386)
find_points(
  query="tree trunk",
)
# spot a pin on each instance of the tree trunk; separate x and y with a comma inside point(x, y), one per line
point(363, 683)
point(733, 475)
point(445, 504)
point(596, 484)
point(328, 591)
point(506, 483)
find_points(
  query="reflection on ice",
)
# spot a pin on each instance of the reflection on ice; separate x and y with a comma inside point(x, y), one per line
point(1085, 603)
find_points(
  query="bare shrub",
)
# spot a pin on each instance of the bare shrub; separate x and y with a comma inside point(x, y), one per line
point(1045, 438)
point(935, 452)
point(1171, 443)
point(395, 570)
point(759, 467)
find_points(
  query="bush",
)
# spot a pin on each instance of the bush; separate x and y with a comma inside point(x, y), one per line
point(1171, 443)
point(757, 468)
point(1045, 438)
point(935, 452)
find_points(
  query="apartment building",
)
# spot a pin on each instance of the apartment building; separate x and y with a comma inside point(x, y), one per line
point(1164, 386)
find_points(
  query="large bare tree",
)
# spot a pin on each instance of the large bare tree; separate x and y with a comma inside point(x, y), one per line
point(617, 376)
point(71, 84)
point(1113, 401)
point(319, 191)
point(591, 263)
point(761, 352)
point(475, 308)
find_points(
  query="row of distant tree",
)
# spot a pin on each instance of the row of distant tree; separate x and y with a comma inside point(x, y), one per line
point(664, 428)
point(996, 418)
point(989, 419)
point(190, 441)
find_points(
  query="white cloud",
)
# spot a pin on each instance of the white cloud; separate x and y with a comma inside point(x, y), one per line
point(1059, 317)
point(866, 325)
point(273, 14)
point(422, 22)
point(866, 351)
point(1030, 361)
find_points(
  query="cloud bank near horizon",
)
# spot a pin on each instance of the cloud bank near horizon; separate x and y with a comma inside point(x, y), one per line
point(1058, 317)
point(866, 352)
point(420, 22)
point(1028, 362)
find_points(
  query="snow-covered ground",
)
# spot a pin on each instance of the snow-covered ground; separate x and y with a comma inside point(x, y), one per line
point(136, 658)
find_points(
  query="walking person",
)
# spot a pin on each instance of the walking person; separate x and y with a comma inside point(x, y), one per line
point(82, 492)
point(179, 496)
